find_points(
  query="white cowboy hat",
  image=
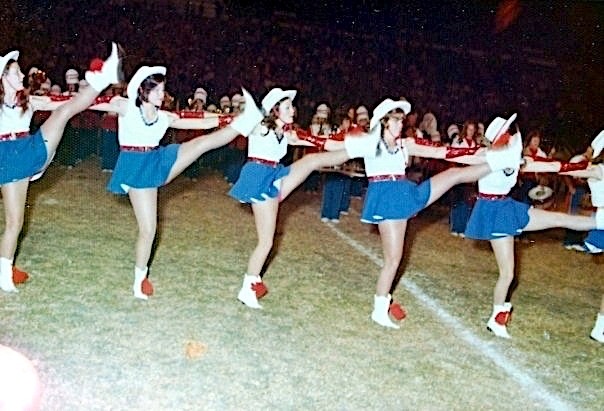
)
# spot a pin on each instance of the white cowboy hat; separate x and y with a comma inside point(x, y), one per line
point(386, 107)
point(498, 127)
point(274, 96)
point(11, 55)
point(540, 193)
point(598, 144)
point(140, 76)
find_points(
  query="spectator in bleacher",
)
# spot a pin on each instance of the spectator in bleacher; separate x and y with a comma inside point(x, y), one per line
point(336, 186)
point(577, 188)
point(528, 181)
point(319, 126)
point(462, 196)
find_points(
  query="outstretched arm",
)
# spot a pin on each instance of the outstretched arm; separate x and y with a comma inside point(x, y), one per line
point(199, 120)
point(300, 137)
point(427, 149)
point(102, 103)
point(115, 104)
point(593, 171)
point(542, 165)
point(48, 103)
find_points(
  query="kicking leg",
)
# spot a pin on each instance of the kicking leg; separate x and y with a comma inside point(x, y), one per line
point(542, 219)
point(191, 150)
point(243, 124)
point(444, 181)
point(53, 128)
point(302, 168)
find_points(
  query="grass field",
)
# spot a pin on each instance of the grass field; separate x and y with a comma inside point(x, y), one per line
point(313, 346)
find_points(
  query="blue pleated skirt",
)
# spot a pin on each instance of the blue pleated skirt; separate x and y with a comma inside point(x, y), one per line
point(258, 182)
point(394, 200)
point(492, 219)
point(22, 158)
point(148, 169)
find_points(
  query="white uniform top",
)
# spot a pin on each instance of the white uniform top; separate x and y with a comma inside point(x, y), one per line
point(498, 182)
point(132, 130)
point(597, 189)
point(266, 147)
point(387, 163)
point(14, 120)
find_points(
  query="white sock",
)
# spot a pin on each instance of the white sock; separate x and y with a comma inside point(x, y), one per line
point(597, 333)
point(137, 287)
point(6, 276)
point(599, 322)
point(246, 294)
point(380, 314)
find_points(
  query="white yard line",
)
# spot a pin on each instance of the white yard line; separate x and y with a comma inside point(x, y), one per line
point(522, 376)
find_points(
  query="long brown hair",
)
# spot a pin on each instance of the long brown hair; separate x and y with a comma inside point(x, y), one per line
point(146, 86)
point(464, 130)
point(387, 117)
point(270, 118)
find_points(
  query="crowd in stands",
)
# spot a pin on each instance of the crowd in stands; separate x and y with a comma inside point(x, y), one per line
point(206, 44)
point(220, 51)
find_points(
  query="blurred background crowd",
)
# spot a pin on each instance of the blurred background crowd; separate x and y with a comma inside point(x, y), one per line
point(460, 64)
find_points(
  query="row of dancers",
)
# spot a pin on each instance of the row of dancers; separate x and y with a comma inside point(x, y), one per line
point(391, 200)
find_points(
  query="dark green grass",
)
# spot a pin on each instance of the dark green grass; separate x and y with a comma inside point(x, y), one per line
point(313, 346)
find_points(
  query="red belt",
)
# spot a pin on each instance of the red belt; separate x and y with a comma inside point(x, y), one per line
point(263, 161)
point(13, 136)
point(139, 149)
point(386, 177)
point(492, 196)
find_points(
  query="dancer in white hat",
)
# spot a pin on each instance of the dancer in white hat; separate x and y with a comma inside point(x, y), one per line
point(264, 182)
point(498, 218)
point(143, 165)
point(392, 199)
point(594, 243)
point(23, 156)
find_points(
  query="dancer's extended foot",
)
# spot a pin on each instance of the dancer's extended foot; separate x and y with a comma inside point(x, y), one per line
point(246, 122)
point(102, 74)
point(250, 289)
